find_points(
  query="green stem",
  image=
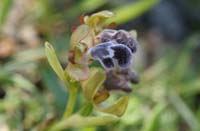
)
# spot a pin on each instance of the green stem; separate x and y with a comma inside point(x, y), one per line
point(86, 109)
point(71, 103)
point(77, 121)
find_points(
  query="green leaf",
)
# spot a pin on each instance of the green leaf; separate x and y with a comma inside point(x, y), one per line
point(184, 60)
point(93, 83)
point(23, 83)
point(118, 108)
point(190, 88)
point(154, 72)
point(53, 61)
point(51, 82)
point(80, 121)
point(83, 6)
point(152, 120)
point(91, 5)
point(4, 9)
point(132, 10)
point(5, 76)
point(184, 111)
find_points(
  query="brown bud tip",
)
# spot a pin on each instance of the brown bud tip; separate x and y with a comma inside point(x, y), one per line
point(112, 25)
point(101, 96)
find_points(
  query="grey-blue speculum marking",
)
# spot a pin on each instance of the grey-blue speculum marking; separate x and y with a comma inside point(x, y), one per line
point(115, 50)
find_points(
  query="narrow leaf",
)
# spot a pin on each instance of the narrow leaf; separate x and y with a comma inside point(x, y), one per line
point(150, 124)
point(184, 111)
point(53, 61)
point(51, 82)
point(132, 10)
point(5, 8)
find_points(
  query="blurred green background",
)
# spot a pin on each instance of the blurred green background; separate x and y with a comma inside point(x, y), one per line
point(167, 61)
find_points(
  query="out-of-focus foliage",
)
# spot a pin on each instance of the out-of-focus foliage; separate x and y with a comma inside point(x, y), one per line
point(32, 97)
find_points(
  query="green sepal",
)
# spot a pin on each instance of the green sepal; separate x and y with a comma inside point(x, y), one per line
point(79, 34)
point(118, 108)
point(93, 83)
point(96, 21)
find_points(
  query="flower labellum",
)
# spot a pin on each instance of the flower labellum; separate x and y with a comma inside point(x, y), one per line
point(112, 55)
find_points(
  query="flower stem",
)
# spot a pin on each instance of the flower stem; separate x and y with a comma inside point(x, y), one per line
point(71, 103)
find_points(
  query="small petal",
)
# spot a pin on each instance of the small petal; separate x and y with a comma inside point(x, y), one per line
point(120, 37)
point(132, 44)
point(125, 38)
point(106, 35)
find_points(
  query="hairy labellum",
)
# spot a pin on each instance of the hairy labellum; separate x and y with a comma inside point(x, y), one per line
point(111, 54)
point(123, 55)
point(101, 51)
point(120, 37)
